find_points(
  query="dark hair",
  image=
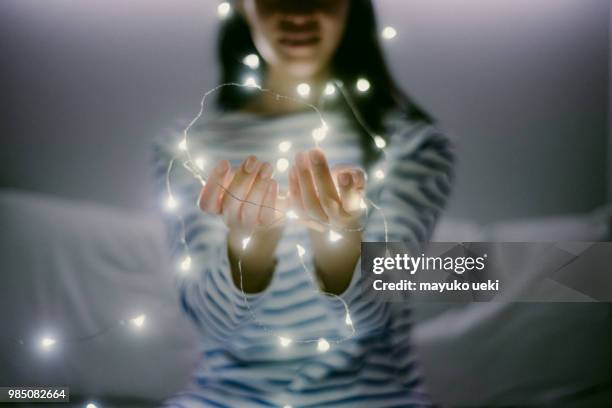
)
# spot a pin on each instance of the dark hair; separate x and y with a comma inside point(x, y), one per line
point(358, 55)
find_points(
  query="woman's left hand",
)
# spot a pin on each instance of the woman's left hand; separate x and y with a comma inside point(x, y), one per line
point(329, 196)
point(313, 193)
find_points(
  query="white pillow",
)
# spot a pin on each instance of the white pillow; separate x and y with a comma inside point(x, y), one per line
point(72, 269)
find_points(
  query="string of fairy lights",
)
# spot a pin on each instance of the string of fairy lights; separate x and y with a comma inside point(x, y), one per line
point(196, 166)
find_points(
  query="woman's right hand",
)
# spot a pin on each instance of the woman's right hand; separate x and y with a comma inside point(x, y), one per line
point(253, 217)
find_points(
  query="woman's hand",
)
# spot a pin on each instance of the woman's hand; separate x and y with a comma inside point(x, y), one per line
point(330, 196)
point(246, 198)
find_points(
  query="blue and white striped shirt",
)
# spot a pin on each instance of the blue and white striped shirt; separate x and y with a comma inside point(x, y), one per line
point(242, 365)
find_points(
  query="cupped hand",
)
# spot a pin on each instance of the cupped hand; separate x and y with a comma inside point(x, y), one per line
point(247, 200)
point(245, 197)
point(329, 196)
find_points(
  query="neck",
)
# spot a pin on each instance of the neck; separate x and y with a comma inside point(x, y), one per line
point(282, 83)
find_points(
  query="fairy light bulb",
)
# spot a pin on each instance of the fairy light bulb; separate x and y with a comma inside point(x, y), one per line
point(245, 242)
point(303, 90)
point(91, 405)
point(287, 406)
point(300, 250)
point(347, 320)
point(171, 203)
point(329, 90)
point(379, 174)
point(389, 33)
point(223, 9)
point(319, 134)
point(182, 145)
point(282, 164)
point(251, 61)
point(138, 321)
point(186, 264)
point(363, 85)
point(362, 204)
point(47, 343)
point(380, 142)
point(292, 215)
point(322, 345)
point(199, 162)
point(250, 82)
point(334, 236)
point(285, 341)
point(284, 146)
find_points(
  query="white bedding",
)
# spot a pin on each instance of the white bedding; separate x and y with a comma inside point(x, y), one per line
point(70, 269)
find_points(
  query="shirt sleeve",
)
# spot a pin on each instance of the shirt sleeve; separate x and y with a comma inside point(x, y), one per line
point(198, 242)
point(418, 173)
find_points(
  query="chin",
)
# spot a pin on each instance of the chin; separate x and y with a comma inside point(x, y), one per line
point(303, 70)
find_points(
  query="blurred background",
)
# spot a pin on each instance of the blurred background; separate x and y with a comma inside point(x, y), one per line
point(524, 87)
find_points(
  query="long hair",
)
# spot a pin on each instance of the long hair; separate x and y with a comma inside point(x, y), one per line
point(359, 54)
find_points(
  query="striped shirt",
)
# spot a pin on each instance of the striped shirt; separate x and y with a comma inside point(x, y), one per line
point(241, 364)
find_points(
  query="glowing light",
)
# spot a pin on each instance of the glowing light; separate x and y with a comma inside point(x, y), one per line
point(380, 142)
point(224, 9)
point(389, 33)
point(183, 145)
point(287, 406)
point(251, 61)
point(379, 174)
point(348, 320)
point(138, 321)
point(322, 345)
point(250, 82)
point(199, 162)
point(186, 264)
point(245, 242)
point(362, 204)
point(301, 251)
point(329, 90)
point(303, 90)
point(285, 341)
point(47, 342)
point(284, 146)
point(292, 215)
point(334, 236)
point(363, 85)
point(282, 164)
point(90, 405)
point(319, 134)
point(171, 203)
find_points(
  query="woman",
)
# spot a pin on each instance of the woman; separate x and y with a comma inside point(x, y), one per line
point(253, 301)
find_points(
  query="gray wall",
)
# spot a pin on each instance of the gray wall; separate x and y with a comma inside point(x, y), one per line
point(522, 85)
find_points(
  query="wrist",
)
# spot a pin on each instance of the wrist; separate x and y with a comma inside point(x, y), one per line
point(335, 261)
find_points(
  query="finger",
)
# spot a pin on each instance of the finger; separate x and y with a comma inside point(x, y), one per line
point(209, 200)
point(328, 195)
point(349, 193)
point(295, 196)
point(307, 189)
point(359, 178)
point(267, 215)
point(357, 173)
point(238, 189)
point(250, 212)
